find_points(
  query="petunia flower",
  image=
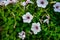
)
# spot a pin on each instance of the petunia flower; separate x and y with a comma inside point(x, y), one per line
point(36, 27)
point(4, 3)
point(22, 35)
point(27, 17)
point(57, 7)
point(42, 3)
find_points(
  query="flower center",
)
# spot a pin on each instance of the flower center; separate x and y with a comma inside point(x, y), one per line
point(28, 17)
point(23, 34)
point(42, 2)
point(57, 7)
point(2, 2)
point(36, 27)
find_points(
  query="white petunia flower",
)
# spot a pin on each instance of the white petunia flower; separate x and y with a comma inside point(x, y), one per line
point(46, 21)
point(22, 35)
point(4, 3)
point(42, 3)
point(36, 28)
point(27, 17)
point(57, 7)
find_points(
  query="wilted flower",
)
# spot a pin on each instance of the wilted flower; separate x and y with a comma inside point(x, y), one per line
point(22, 35)
point(42, 3)
point(48, 16)
point(27, 17)
point(46, 21)
point(12, 1)
point(28, 1)
point(25, 3)
point(57, 7)
point(36, 28)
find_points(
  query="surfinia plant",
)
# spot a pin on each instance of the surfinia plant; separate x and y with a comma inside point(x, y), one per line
point(29, 19)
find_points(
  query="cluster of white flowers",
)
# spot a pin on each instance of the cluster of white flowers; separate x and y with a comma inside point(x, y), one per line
point(27, 18)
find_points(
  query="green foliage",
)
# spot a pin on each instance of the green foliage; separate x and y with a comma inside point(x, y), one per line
point(11, 22)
